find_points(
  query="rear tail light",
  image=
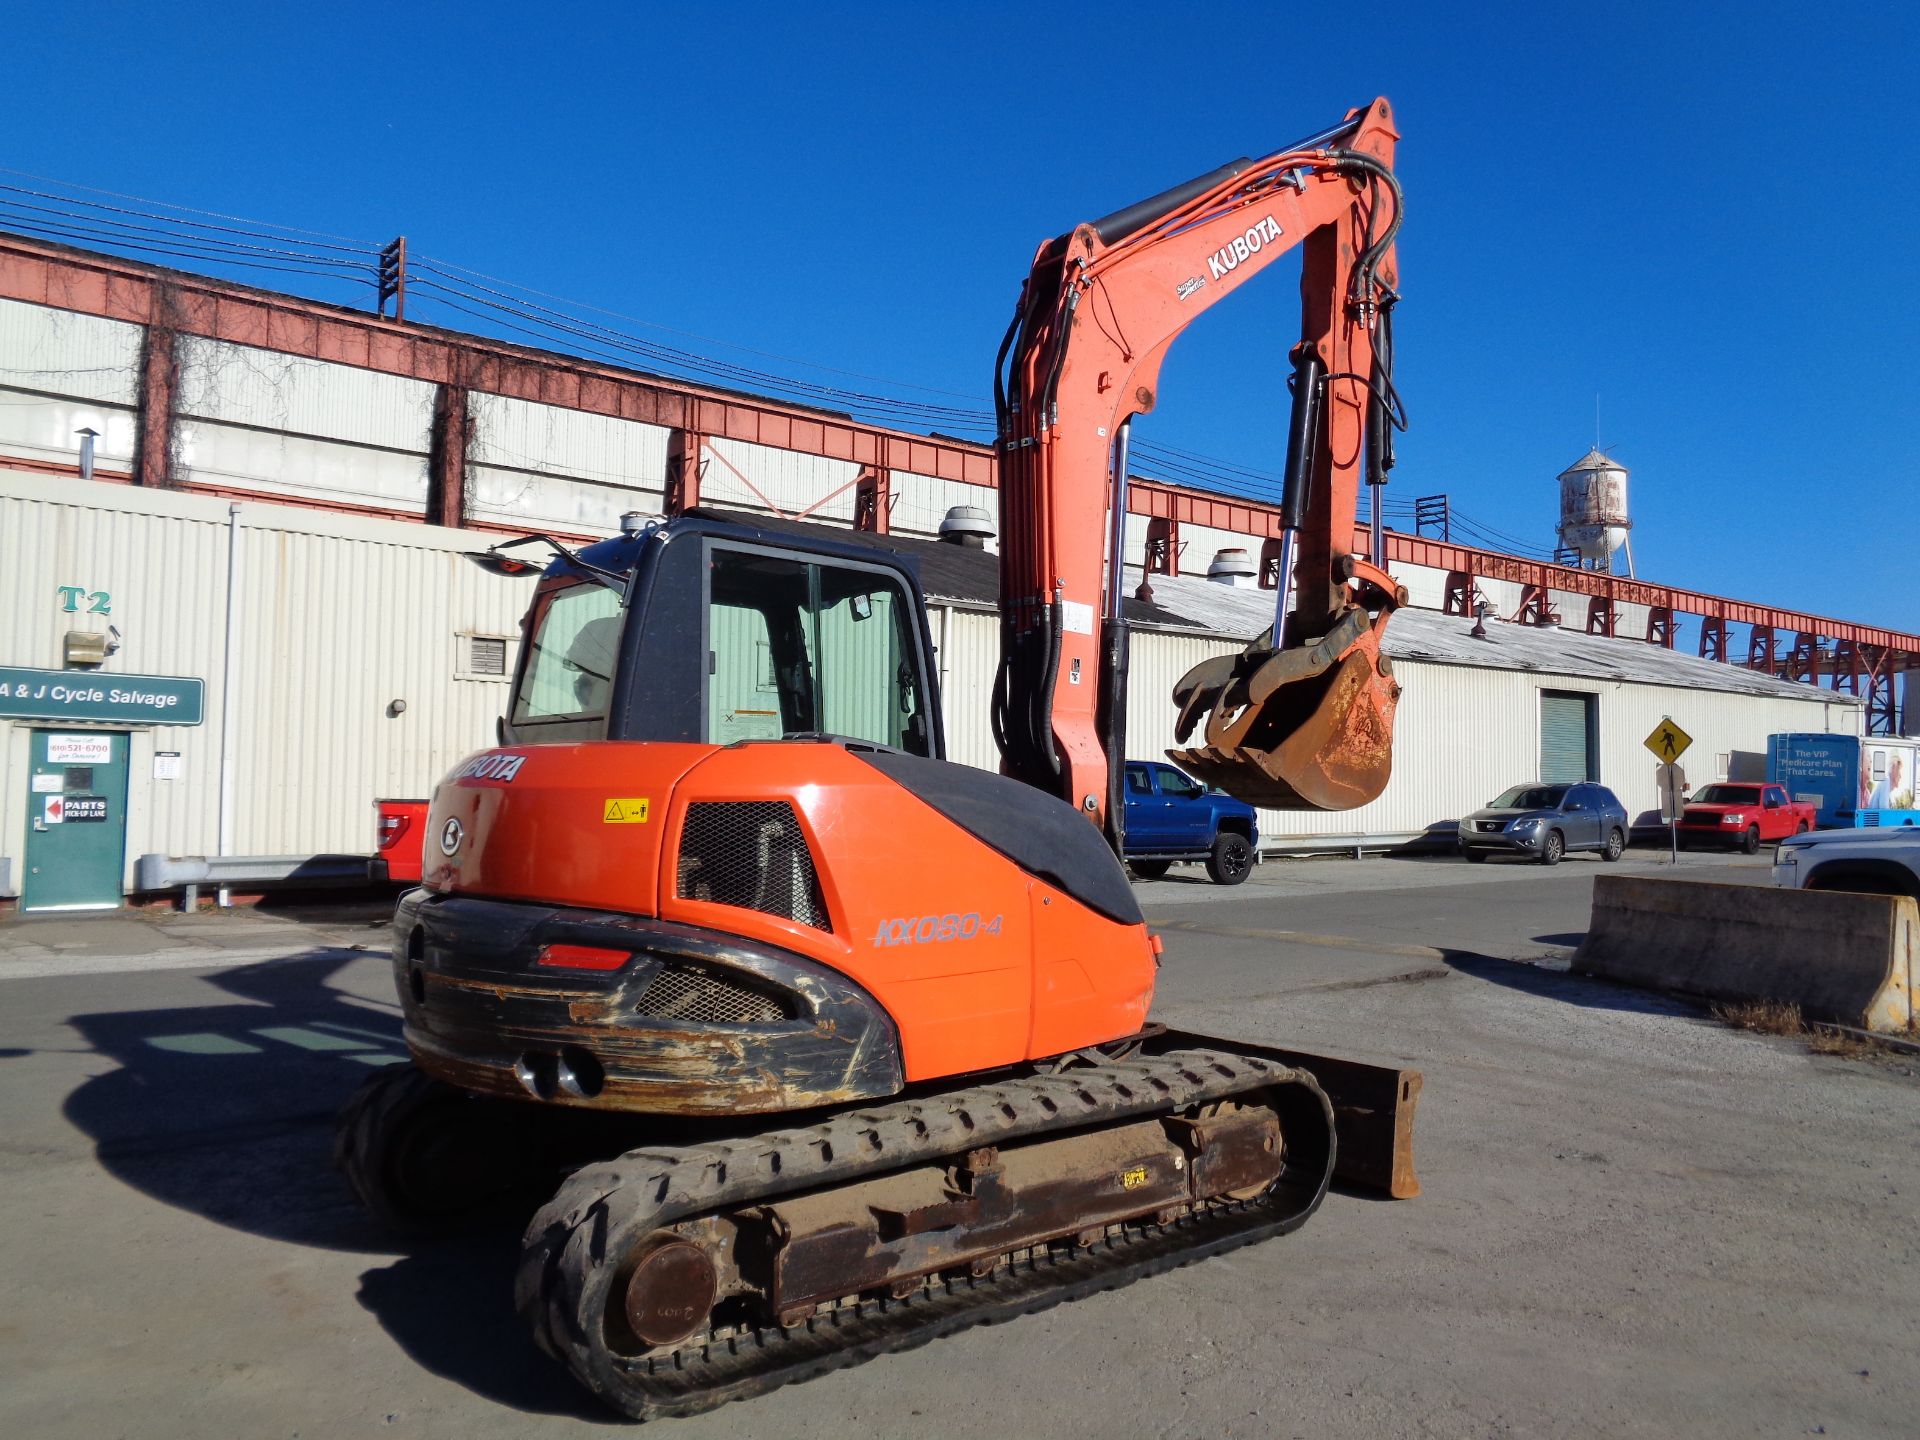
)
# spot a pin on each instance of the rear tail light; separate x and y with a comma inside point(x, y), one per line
point(582, 957)
point(392, 827)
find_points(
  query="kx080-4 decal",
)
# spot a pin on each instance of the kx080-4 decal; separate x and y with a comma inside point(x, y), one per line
point(932, 929)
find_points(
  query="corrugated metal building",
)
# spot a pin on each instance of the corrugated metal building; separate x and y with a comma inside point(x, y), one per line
point(346, 652)
point(367, 657)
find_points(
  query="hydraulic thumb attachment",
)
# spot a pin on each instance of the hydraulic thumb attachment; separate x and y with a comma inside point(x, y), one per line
point(1307, 725)
point(1304, 728)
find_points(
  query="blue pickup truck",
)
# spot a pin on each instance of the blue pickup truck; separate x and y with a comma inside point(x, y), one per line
point(1171, 817)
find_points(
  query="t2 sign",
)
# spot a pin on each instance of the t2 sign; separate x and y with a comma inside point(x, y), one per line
point(99, 602)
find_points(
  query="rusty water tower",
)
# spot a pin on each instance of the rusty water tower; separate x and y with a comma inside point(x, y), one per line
point(1593, 512)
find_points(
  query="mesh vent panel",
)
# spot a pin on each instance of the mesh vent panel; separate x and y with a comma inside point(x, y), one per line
point(750, 853)
point(700, 996)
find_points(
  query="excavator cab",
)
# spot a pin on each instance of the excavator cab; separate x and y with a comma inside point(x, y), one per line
point(712, 632)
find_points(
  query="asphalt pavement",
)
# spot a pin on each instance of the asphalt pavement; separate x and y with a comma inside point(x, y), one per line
point(1635, 1221)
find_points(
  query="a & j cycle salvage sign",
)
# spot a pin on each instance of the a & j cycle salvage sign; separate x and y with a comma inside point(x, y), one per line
point(120, 699)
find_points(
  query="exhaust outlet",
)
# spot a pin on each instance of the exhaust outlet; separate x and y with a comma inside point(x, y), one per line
point(579, 1074)
point(537, 1075)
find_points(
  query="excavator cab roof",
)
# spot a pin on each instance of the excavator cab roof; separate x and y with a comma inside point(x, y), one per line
point(714, 628)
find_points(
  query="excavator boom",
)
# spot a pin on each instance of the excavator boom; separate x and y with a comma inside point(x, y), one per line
point(1304, 718)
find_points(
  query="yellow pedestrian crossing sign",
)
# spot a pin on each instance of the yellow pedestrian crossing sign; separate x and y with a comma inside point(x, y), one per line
point(1668, 741)
point(625, 812)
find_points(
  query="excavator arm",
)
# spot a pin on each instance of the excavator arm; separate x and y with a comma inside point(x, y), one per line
point(1303, 718)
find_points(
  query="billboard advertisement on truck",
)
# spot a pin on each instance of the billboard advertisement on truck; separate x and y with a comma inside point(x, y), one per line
point(1865, 781)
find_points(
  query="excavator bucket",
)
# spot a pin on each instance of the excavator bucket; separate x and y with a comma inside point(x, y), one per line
point(1306, 728)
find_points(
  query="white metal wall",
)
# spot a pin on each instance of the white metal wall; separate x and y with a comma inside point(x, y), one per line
point(742, 476)
point(921, 502)
point(339, 616)
point(335, 628)
point(1461, 735)
point(263, 420)
point(163, 562)
point(60, 372)
point(543, 467)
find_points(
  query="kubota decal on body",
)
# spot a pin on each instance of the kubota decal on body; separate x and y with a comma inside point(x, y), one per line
point(490, 767)
point(1260, 234)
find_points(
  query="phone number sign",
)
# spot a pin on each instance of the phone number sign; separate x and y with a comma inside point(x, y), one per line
point(121, 699)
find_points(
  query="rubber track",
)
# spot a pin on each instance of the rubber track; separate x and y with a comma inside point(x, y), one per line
point(399, 1103)
point(383, 1105)
point(572, 1250)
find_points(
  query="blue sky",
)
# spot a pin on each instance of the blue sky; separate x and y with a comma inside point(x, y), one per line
point(1699, 213)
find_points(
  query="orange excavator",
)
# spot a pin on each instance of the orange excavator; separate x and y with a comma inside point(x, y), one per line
point(833, 1046)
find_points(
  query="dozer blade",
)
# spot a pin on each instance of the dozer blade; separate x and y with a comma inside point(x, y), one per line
point(1373, 1111)
point(1309, 728)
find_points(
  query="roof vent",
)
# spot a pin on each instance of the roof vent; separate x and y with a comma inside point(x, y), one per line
point(1232, 567)
point(967, 525)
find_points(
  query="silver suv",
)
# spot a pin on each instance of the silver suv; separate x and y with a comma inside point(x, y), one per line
point(1872, 862)
point(1544, 822)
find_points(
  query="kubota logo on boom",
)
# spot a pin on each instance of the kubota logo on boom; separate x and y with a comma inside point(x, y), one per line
point(1260, 234)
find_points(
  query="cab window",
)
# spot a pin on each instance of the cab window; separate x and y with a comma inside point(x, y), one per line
point(573, 650)
point(1139, 782)
point(800, 647)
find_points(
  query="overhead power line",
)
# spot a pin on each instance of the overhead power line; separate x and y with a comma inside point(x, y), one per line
point(119, 223)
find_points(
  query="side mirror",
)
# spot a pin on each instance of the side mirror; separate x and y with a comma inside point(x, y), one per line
point(494, 563)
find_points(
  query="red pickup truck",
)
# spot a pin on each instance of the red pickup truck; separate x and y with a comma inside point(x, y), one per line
point(1743, 815)
point(401, 829)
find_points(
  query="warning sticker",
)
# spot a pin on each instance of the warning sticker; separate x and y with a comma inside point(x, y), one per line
point(625, 812)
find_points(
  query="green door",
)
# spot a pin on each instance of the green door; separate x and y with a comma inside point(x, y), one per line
point(76, 820)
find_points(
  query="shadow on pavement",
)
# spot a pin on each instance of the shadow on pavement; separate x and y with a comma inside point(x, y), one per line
point(226, 1112)
point(1560, 985)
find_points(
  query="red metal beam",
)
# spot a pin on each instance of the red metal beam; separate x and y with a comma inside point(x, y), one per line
point(1152, 497)
point(92, 284)
point(686, 457)
point(46, 274)
point(873, 502)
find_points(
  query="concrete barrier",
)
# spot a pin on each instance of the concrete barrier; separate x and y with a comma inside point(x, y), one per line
point(1844, 958)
